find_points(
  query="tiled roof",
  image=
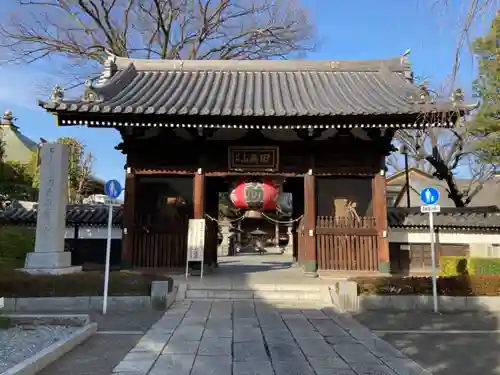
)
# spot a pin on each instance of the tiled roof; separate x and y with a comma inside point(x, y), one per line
point(254, 88)
point(486, 218)
point(84, 215)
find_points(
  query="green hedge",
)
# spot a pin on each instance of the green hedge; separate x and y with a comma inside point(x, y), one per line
point(15, 242)
point(479, 285)
point(456, 266)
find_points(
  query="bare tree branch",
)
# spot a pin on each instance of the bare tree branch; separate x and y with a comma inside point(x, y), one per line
point(444, 153)
point(78, 31)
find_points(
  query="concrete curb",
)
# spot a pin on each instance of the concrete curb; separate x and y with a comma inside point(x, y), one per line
point(171, 297)
point(345, 296)
point(72, 320)
point(159, 299)
point(48, 355)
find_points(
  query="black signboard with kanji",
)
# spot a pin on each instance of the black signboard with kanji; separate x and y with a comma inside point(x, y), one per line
point(254, 158)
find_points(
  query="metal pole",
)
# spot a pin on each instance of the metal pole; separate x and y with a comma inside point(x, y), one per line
point(433, 259)
point(277, 233)
point(108, 256)
point(407, 175)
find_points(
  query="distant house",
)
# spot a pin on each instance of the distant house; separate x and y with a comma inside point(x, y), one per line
point(397, 190)
point(468, 231)
point(20, 148)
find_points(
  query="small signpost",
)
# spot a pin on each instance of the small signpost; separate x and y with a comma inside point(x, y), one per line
point(112, 189)
point(429, 197)
point(196, 244)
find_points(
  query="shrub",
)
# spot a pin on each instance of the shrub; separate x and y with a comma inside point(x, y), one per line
point(485, 266)
point(20, 284)
point(476, 285)
point(455, 266)
point(4, 322)
point(15, 242)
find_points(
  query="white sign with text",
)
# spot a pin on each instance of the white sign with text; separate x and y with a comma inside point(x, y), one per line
point(428, 208)
point(196, 243)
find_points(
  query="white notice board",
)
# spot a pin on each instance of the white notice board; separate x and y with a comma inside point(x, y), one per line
point(196, 240)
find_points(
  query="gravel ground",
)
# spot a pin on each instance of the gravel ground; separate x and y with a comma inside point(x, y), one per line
point(18, 344)
point(103, 351)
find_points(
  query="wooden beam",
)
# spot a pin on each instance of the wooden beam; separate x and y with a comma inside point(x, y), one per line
point(199, 196)
point(310, 262)
point(380, 214)
point(129, 206)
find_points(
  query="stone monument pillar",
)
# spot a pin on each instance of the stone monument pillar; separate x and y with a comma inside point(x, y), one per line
point(224, 246)
point(289, 246)
point(49, 256)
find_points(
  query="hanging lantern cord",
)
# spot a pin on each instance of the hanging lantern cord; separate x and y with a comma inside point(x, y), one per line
point(263, 214)
point(280, 221)
point(207, 216)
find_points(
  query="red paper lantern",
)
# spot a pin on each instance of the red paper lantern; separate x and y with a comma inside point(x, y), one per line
point(255, 196)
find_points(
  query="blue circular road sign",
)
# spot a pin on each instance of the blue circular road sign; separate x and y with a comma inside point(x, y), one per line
point(429, 195)
point(112, 189)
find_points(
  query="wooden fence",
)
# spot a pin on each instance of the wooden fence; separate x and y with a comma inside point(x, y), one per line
point(159, 244)
point(165, 246)
point(349, 244)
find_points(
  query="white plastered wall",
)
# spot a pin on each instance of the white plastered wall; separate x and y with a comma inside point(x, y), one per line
point(93, 233)
point(479, 243)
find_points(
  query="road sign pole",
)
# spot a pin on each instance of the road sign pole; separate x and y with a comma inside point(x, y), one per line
point(433, 260)
point(108, 256)
point(112, 189)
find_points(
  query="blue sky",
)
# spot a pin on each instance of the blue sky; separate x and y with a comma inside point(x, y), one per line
point(354, 29)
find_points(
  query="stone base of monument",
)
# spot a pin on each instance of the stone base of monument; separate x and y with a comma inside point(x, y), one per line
point(50, 263)
point(288, 251)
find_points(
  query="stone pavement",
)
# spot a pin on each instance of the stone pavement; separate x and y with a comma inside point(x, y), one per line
point(246, 338)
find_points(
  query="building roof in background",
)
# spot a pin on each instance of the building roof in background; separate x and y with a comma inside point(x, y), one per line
point(250, 88)
point(488, 195)
point(76, 214)
point(471, 218)
point(18, 147)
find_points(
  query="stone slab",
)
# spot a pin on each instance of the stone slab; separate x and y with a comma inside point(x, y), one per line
point(309, 341)
point(251, 351)
point(178, 364)
point(216, 346)
point(253, 368)
point(212, 365)
point(140, 362)
point(9, 304)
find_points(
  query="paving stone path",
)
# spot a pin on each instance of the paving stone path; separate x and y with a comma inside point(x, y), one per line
point(244, 338)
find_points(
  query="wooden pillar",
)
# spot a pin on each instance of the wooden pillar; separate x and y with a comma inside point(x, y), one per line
point(129, 206)
point(199, 196)
point(309, 262)
point(380, 213)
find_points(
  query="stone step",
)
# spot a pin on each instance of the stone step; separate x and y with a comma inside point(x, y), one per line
point(268, 293)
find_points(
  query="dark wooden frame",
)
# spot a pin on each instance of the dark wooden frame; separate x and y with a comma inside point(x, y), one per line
point(260, 168)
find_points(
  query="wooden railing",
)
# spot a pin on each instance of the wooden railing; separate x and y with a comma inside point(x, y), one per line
point(347, 243)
